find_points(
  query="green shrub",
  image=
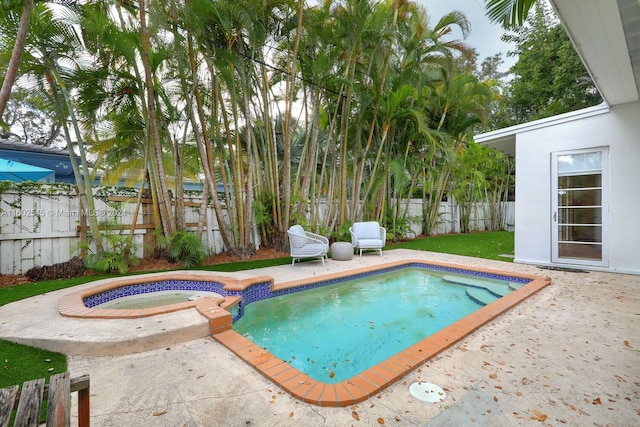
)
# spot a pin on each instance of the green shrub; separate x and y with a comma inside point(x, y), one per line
point(183, 247)
point(109, 262)
point(117, 255)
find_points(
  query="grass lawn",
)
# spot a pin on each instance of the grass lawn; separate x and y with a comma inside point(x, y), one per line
point(480, 245)
point(22, 363)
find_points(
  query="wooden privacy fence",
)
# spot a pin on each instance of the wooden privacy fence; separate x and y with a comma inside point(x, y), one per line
point(45, 229)
point(58, 395)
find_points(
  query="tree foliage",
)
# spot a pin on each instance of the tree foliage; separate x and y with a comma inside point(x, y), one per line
point(549, 77)
point(321, 115)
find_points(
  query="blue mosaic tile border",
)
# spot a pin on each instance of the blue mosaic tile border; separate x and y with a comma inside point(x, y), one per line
point(263, 290)
point(147, 288)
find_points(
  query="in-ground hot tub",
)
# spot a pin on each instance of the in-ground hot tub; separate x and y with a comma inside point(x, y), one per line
point(145, 295)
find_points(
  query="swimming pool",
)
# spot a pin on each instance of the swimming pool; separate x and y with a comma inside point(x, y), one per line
point(333, 333)
point(376, 378)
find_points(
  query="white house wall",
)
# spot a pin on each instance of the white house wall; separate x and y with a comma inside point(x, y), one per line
point(619, 130)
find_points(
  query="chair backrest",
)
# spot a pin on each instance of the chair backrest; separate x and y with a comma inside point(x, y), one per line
point(366, 230)
point(297, 229)
point(297, 236)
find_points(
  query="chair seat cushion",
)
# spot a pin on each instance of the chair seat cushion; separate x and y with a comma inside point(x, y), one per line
point(370, 243)
point(310, 249)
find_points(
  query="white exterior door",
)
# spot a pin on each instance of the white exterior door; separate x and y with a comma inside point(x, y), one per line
point(579, 207)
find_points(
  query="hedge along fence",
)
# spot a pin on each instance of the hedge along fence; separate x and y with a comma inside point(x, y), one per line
point(40, 224)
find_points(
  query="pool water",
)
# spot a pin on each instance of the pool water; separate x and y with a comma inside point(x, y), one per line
point(335, 332)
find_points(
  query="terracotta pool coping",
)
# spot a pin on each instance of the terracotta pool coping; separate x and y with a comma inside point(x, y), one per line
point(370, 382)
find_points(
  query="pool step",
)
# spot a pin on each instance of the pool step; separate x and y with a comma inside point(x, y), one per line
point(515, 285)
point(480, 295)
point(494, 288)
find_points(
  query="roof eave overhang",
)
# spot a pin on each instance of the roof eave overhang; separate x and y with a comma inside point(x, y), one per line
point(505, 139)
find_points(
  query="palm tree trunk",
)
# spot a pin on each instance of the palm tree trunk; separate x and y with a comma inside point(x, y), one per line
point(204, 145)
point(291, 84)
point(83, 178)
point(168, 223)
point(16, 56)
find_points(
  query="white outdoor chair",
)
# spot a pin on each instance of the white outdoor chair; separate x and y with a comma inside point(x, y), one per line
point(368, 236)
point(305, 244)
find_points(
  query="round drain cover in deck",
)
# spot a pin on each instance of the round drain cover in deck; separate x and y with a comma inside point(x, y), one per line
point(427, 392)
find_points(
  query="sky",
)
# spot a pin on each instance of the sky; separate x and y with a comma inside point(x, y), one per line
point(485, 37)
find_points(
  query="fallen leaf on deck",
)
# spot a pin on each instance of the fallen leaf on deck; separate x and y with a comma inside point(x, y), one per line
point(620, 378)
point(157, 414)
point(628, 344)
point(380, 421)
point(493, 376)
point(355, 415)
point(539, 416)
point(597, 401)
point(291, 414)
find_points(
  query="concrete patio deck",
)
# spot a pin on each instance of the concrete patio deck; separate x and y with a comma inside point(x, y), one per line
point(569, 355)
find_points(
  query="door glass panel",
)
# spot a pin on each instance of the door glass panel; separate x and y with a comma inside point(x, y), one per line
point(586, 197)
point(580, 233)
point(580, 162)
point(579, 181)
point(575, 251)
point(579, 215)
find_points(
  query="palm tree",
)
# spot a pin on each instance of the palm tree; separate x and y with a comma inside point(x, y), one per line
point(153, 121)
point(53, 57)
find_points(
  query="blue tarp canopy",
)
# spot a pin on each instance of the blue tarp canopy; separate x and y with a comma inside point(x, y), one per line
point(11, 170)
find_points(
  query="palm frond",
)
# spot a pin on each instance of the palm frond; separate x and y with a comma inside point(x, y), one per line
point(508, 13)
